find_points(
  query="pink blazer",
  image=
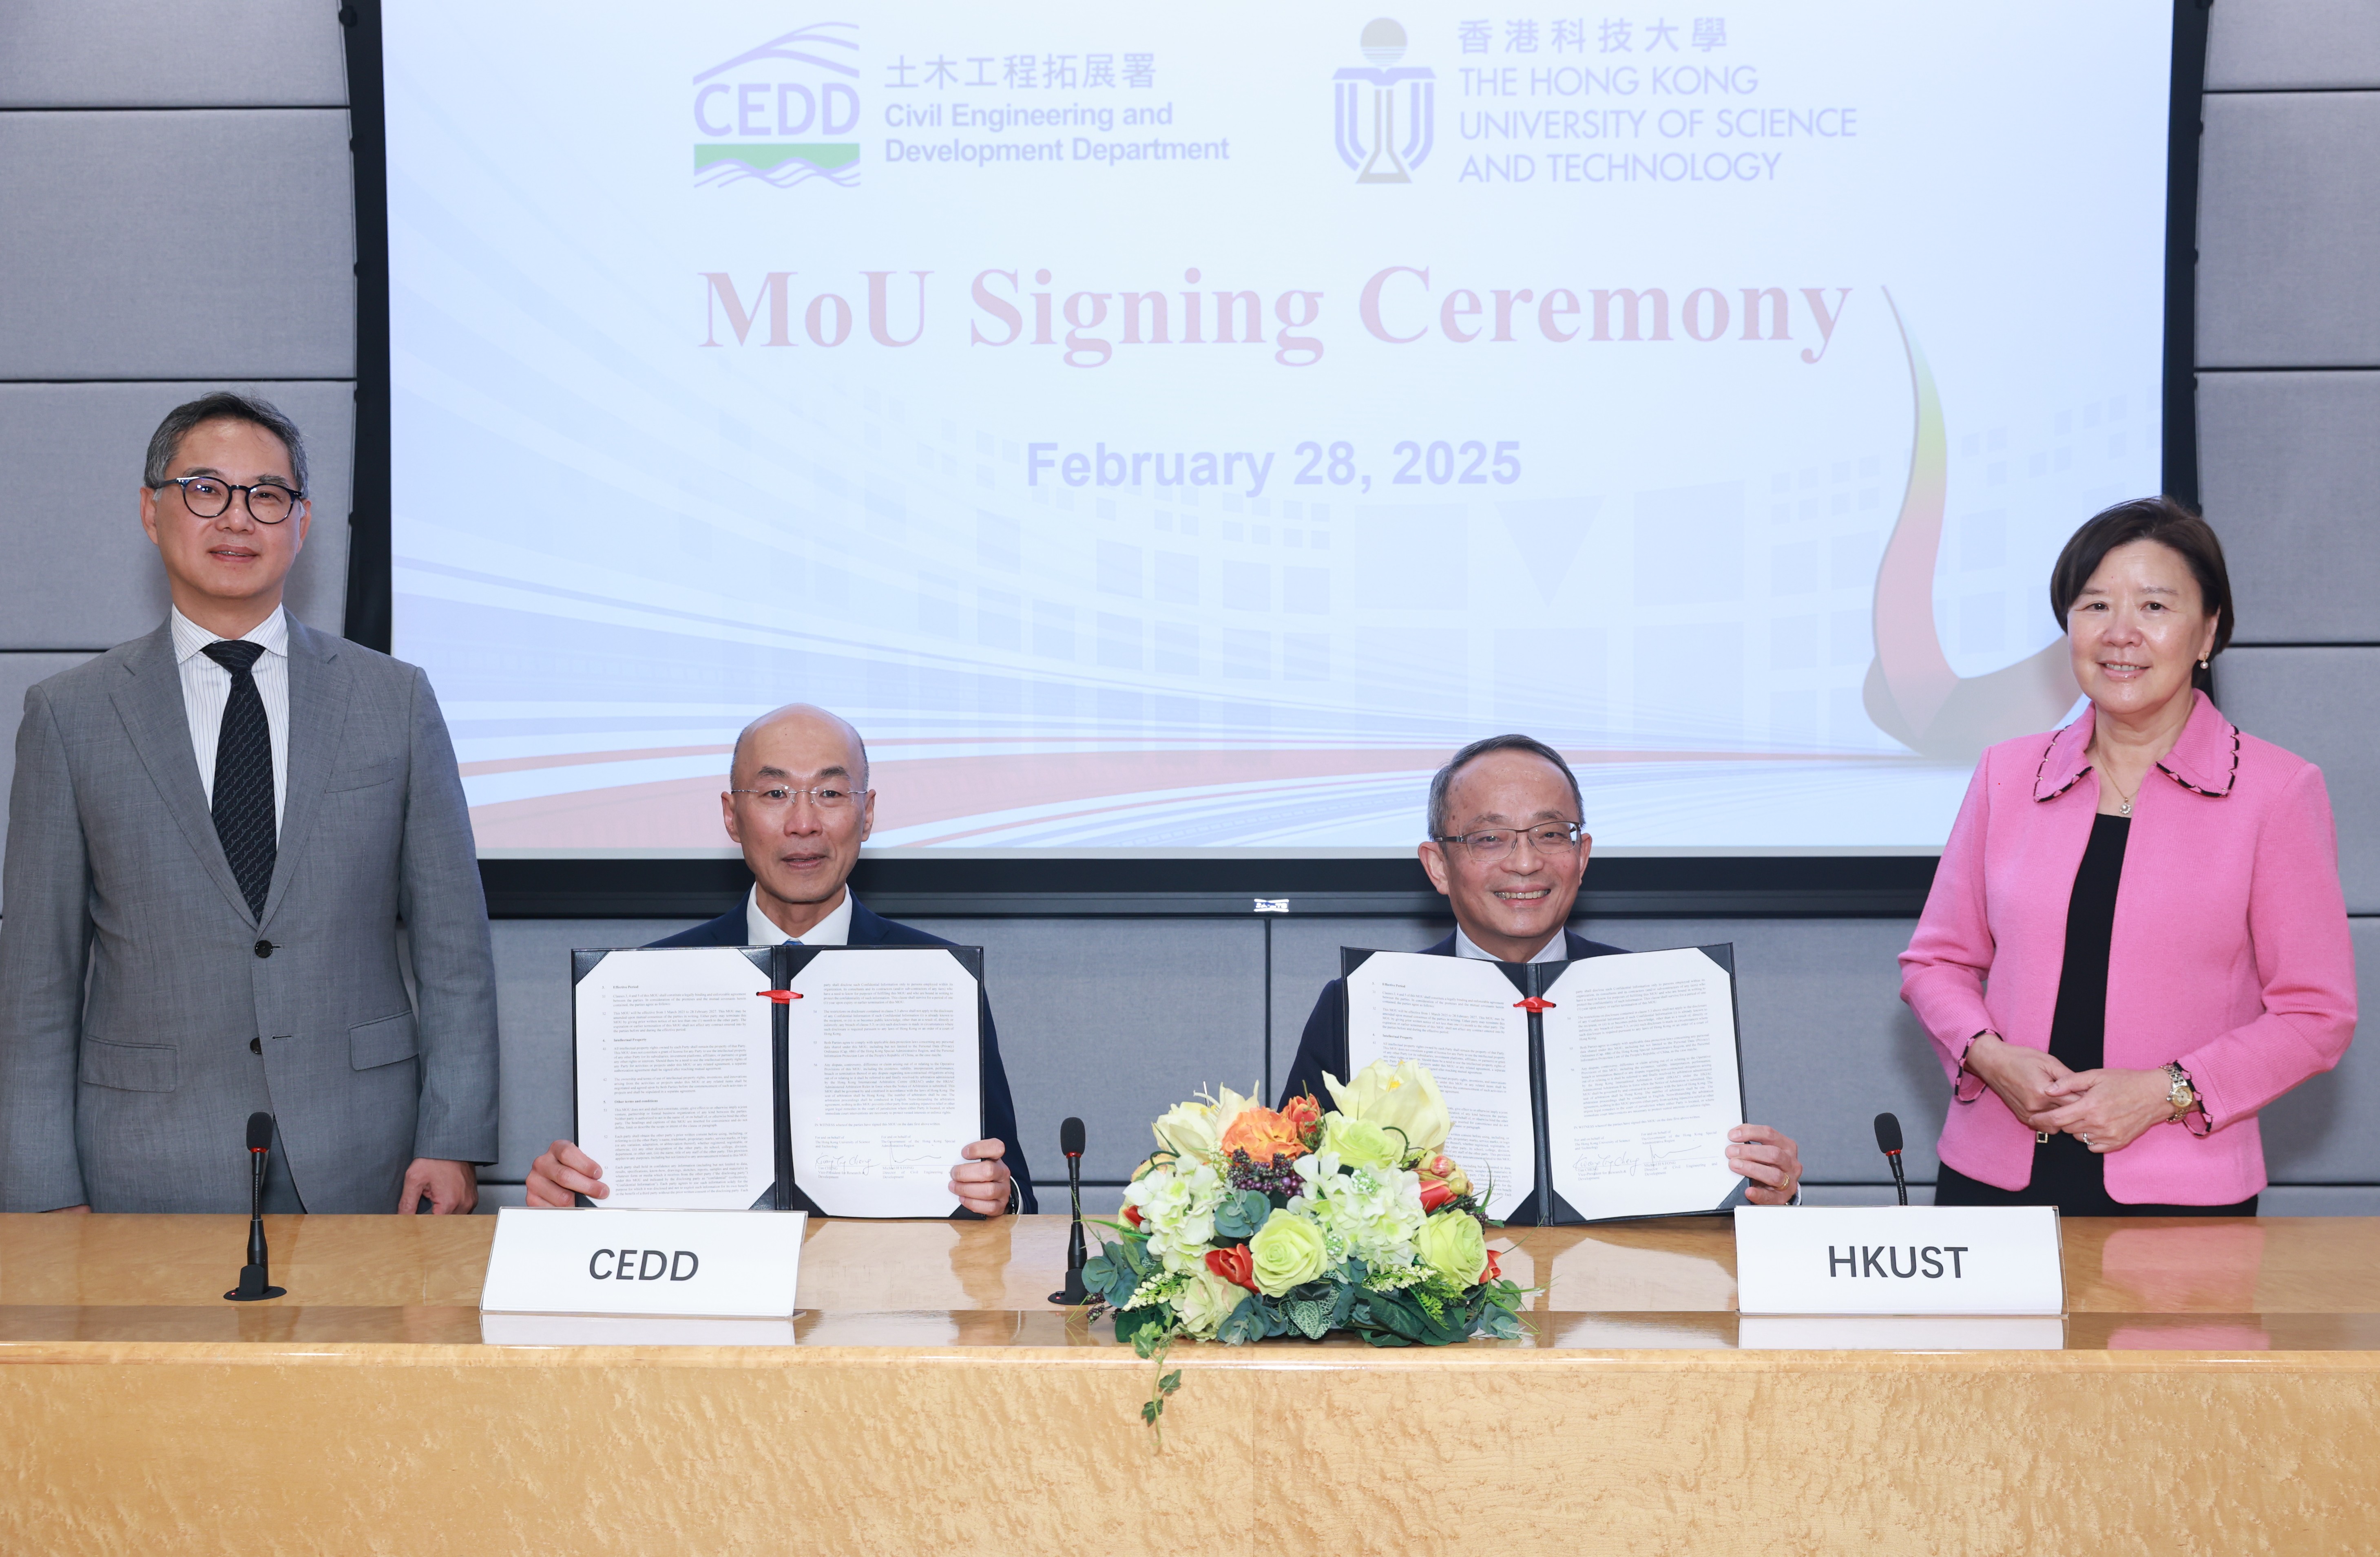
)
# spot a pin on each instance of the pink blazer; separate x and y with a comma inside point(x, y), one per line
point(2230, 950)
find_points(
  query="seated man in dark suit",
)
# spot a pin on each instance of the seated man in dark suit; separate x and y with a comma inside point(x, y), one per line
point(800, 807)
point(1507, 849)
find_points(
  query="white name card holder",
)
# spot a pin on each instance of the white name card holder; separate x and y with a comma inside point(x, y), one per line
point(1899, 1259)
point(722, 1264)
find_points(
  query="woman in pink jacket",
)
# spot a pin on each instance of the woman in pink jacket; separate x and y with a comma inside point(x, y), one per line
point(2136, 939)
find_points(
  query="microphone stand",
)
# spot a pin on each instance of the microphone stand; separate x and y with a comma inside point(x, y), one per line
point(255, 1277)
point(1900, 1182)
point(1075, 1292)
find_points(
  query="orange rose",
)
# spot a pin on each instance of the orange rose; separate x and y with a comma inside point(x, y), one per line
point(1265, 1136)
point(1492, 1272)
point(1302, 1112)
point(1234, 1264)
point(1434, 1192)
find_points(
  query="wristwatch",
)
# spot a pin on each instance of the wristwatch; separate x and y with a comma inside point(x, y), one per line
point(2180, 1095)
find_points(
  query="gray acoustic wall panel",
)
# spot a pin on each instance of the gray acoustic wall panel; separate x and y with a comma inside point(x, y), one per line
point(2322, 1133)
point(1115, 1020)
point(533, 1020)
point(18, 672)
point(2322, 703)
point(2313, 1199)
point(2288, 231)
point(123, 262)
point(123, 54)
point(1305, 957)
point(2277, 45)
point(2288, 470)
point(84, 575)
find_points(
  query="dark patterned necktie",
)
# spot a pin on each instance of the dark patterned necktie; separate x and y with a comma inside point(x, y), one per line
point(243, 798)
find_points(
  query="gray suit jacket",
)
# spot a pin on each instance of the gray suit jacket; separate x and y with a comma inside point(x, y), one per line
point(145, 1012)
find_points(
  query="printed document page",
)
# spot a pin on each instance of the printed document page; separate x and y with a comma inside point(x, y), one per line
point(886, 1079)
point(1458, 1018)
point(675, 1078)
point(1641, 1085)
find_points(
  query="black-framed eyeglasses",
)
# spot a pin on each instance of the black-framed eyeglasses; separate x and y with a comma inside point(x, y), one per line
point(1489, 844)
point(778, 797)
point(269, 502)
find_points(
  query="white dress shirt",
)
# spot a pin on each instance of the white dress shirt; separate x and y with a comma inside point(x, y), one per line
point(1555, 950)
point(206, 687)
point(761, 930)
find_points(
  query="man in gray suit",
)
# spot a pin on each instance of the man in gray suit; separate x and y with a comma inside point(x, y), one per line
point(216, 833)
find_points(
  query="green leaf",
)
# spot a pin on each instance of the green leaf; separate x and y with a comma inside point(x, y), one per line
point(1500, 1325)
point(1241, 1214)
point(1245, 1323)
point(1144, 1329)
point(1311, 1317)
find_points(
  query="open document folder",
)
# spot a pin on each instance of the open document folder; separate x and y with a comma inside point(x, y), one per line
point(839, 1080)
point(1582, 1092)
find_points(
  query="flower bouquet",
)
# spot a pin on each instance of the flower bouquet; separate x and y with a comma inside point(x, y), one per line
point(1250, 1223)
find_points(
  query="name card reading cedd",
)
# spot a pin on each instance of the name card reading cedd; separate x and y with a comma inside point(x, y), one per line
point(1897, 1260)
point(730, 1264)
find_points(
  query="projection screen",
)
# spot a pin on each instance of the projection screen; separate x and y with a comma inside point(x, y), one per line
point(1169, 431)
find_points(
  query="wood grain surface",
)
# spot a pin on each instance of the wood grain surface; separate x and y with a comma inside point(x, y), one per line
point(2217, 1390)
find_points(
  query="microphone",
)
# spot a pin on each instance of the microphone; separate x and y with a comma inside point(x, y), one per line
point(1887, 1141)
point(1070, 1141)
point(255, 1277)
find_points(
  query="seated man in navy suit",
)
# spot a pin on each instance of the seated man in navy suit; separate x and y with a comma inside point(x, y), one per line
point(1507, 849)
point(800, 806)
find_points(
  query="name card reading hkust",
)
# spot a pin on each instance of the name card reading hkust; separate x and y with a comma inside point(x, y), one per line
point(1899, 1259)
point(729, 1264)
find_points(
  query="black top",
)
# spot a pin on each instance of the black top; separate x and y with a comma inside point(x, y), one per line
point(2078, 1031)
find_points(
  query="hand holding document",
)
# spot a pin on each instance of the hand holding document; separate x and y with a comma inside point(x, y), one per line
point(680, 1048)
point(1641, 1083)
point(887, 1079)
point(1590, 1091)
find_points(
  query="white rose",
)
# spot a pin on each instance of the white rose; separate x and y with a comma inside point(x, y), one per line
point(1205, 1303)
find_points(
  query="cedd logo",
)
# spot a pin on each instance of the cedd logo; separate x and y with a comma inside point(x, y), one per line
point(777, 112)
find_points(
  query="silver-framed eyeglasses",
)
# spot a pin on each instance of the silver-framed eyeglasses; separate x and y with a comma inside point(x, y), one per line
point(1489, 844)
point(777, 797)
point(269, 502)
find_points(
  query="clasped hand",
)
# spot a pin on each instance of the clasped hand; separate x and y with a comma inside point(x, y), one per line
point(563, 1171)
point(2108, 1109)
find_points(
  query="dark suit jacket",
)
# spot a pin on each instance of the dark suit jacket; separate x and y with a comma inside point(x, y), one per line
point(870, 928)
point(1324, 1047)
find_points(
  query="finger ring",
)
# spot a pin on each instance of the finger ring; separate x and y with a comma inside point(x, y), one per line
point(2086, 1138)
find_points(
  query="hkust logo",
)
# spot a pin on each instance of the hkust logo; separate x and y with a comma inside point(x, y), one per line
point(778, 112)
point(1385, 132)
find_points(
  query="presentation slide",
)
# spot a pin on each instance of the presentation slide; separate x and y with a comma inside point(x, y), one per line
point(1170, 432)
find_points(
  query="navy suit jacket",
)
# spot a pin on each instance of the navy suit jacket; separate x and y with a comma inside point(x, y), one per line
point(870, 928)
point(1324, 1047)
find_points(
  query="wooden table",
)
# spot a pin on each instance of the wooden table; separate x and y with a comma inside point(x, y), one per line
point(2218, 1390)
